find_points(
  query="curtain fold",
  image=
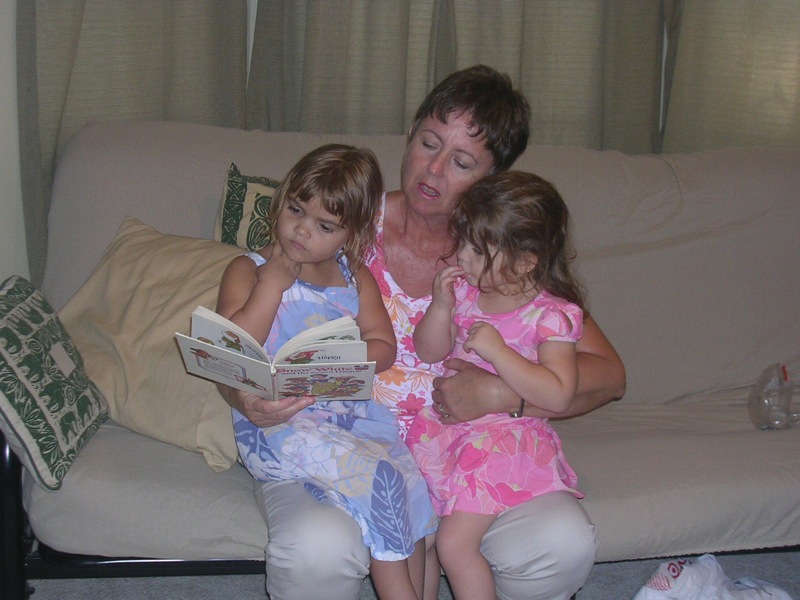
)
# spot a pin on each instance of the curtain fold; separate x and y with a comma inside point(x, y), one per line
point(590, 68)
point(349, 66)
point(671, 17)
point(151, 59)
point(35, 178)
point(736, 76)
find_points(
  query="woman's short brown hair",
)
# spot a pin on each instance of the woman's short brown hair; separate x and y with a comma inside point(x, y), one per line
point(500, 114)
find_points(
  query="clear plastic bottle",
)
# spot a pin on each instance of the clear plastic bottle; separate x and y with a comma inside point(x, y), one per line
point(770, 401)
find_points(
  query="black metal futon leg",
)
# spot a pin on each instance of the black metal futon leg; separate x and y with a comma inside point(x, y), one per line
point(13, 585)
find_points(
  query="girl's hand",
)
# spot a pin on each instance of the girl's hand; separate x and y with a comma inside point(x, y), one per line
point(485, 341)
point(279, 271)
point(261, 412)
point(443, 281)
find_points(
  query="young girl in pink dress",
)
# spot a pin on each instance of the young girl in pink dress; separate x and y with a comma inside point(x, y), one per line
point(512, 306)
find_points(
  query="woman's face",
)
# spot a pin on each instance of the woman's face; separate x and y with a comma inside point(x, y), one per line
point(441, 161)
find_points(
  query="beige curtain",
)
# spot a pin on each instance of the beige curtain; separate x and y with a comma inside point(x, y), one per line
point(632, 75)
point(589, 67)
point(737, 76)
point(116, 59)
point(341, 66)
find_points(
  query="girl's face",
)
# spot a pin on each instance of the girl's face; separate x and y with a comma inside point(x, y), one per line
point(308, 233)
point(473, 260)
point(441, 161)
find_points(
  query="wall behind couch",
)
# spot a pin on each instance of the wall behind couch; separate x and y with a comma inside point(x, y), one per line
point(13, 258)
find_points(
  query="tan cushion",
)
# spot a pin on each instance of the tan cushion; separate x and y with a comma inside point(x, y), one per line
point(123, 321)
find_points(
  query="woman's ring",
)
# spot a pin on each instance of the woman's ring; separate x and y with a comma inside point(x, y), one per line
point(440, 410)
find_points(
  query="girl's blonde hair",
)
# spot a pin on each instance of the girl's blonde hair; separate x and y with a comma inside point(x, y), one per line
point(519, 214)
point(348, 182)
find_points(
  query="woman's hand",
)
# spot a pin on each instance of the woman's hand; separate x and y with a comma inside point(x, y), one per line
point(261, 412)
point(470, 393)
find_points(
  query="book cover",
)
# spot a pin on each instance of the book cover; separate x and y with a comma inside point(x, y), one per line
point(328, 361)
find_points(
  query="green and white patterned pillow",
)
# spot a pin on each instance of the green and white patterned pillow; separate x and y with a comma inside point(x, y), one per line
point(243, 218)
point(48, 406)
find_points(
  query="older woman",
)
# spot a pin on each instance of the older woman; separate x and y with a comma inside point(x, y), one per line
point(471, 124)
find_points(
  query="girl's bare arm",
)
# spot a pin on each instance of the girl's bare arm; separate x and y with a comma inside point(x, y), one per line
point(373, 321)
point(473, 392)
point(434, 334)
point(250, 296)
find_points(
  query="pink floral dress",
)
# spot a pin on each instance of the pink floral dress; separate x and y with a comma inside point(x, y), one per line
point(493, 463)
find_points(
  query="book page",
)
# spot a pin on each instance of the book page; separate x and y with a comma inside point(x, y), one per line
point(340, 381)
point(223, 366)
point(215, 329)
point(331, 351)
point(343, 328)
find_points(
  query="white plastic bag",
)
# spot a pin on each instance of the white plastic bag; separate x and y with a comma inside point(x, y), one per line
point(704, 579)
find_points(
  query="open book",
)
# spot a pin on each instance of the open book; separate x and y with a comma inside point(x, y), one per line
point(328, 361)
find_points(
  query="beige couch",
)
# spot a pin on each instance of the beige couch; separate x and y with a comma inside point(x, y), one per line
point(691, 262)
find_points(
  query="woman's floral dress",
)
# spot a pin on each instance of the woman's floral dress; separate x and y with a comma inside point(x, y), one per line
point(407, 386)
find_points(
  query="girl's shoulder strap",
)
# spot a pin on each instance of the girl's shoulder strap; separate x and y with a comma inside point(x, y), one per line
point(256, 258)
point(344, 265)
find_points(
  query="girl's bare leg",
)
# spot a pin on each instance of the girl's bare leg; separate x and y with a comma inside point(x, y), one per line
point(458, 546)
point(400, 579)
point(416, 568)
point(433, 570)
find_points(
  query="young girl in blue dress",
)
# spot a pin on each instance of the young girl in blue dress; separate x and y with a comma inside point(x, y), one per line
point(347, 453)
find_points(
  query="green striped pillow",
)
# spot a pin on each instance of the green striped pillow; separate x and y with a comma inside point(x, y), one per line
point(243, 218)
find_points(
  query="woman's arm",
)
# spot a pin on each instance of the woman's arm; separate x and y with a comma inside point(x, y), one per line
point(473, 392)
point(373, 321)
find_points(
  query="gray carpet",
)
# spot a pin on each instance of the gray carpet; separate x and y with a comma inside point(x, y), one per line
point(608, 581)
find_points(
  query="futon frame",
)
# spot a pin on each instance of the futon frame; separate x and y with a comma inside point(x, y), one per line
point(23, 558)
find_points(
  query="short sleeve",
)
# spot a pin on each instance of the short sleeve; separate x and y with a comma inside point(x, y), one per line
point(561, 321)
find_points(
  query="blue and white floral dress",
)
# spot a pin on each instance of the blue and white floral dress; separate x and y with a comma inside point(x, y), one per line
point(349, 454)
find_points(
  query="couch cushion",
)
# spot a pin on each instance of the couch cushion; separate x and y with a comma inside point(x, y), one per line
point(49, 407)
point(689, 260)
point(123, 320)
point(684, 477)
point(167, 174)
point(130, 495)
point(243, 218)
